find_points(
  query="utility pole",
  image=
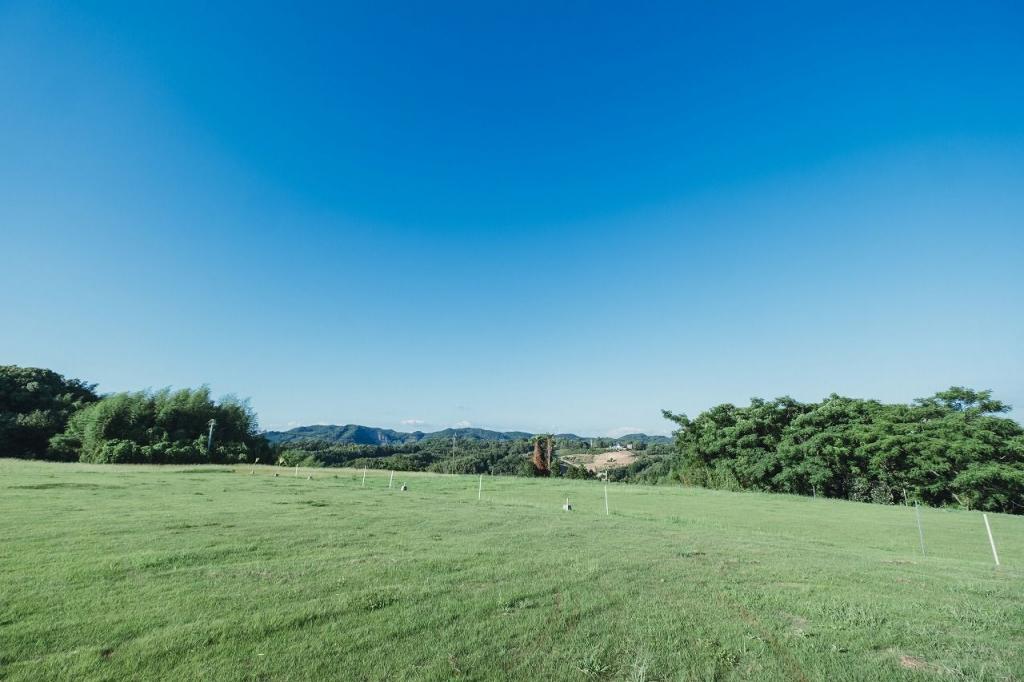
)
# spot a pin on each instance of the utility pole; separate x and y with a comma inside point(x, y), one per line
point(209, 439)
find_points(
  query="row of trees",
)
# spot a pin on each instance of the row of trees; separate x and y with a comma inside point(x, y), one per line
point(46, 416)
point(951, 448)
point(470, 456)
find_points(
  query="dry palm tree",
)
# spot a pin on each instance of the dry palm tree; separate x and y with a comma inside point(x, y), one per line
point(542, 455)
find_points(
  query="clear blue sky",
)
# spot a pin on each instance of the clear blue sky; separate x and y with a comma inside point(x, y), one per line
point(540, 216)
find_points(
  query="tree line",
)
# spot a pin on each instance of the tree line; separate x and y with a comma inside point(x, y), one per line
point(44, 415)
point(953, 448)
point(464, 456)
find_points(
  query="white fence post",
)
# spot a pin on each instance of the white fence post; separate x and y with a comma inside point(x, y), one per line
point(480, 489)
point(364, 477)
point(920, 531)
point(391, 479)
point(990, 540)
point(606, 512)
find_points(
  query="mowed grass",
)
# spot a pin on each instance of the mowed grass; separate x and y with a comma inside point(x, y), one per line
point(210, 573)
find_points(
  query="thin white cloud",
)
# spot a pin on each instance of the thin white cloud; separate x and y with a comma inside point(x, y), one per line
point(280, 426)
point(462, 424)
point(412, 422)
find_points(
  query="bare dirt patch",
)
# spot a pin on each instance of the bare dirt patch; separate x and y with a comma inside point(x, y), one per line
point(612, 459)
point(912, 662)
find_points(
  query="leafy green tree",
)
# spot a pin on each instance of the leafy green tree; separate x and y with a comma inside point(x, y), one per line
point(819, 452)
point(735, 446)
point(35, 405)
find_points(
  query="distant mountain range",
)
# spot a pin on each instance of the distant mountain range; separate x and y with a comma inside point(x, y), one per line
point(370, 435)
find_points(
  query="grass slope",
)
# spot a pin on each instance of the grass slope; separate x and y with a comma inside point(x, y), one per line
point(209, 573)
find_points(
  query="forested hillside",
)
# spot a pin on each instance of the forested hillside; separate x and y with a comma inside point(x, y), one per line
point(369, 435)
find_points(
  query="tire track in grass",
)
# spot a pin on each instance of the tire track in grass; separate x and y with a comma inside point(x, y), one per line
point(778, 648)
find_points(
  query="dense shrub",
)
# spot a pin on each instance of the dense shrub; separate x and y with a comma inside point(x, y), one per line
point(164, 427)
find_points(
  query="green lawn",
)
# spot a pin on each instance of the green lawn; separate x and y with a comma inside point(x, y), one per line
point(211, 573)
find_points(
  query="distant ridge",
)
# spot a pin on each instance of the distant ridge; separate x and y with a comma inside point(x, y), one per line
point(371, 435)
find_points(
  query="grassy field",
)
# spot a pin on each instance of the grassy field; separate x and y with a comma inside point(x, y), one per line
point(211, 573)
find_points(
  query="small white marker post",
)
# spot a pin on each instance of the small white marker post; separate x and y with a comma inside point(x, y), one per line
point(480, 489)
point(364, 477)
point(920, 531)
point(391, 479)
point(990, 540)
point(606, 512)
point(296, 471)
